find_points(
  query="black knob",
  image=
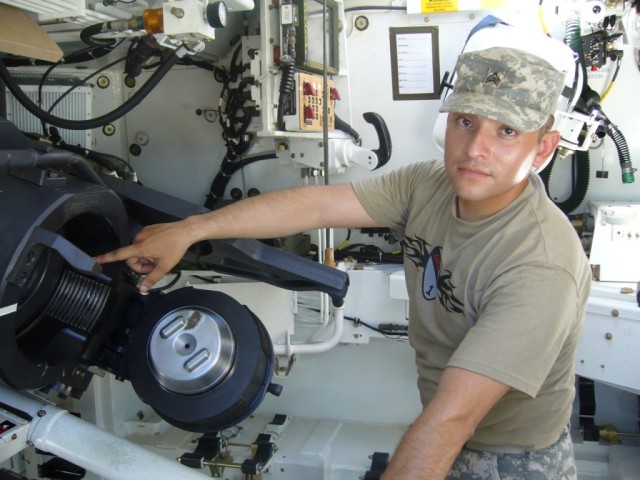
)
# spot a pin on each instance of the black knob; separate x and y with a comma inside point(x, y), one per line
point(274, 389)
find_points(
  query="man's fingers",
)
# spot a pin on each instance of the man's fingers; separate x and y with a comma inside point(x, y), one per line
point(115, 255)
point(151, 279)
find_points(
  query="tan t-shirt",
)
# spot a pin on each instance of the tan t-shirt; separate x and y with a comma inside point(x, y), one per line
point(503, 297)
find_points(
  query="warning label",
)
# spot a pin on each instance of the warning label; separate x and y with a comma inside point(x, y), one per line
point(435, 6)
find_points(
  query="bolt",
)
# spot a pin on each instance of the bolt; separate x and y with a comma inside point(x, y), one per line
point(14, 436)
point(109, 130)
point(130, 81)
point(135, 149)
point(615, 313)
point(177, 12)
point(30, 258)
point(608, 336)
point(103, 81)
point(41, 413)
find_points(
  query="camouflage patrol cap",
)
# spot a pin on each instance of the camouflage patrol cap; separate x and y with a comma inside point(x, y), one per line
point(509, 85)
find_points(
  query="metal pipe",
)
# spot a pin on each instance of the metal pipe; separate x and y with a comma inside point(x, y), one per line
point(56, 431)
point(319, 347)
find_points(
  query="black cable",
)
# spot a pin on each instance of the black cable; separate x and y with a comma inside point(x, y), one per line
point(386, 333)
point(227, 168)
point(364, 253)
point(110, 117)
point(87, 36)
point(66, 60)
point(173, 281)
point(99, 157)
point(41, 87)
point(348, 129)
point(83, 81)
point(580, 183)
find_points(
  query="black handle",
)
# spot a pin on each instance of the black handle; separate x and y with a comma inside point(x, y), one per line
point(384, 139)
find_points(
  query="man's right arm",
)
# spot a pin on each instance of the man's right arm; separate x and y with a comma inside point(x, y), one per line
point(158, 248)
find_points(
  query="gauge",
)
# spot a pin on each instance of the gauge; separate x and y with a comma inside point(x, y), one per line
point(217, 14)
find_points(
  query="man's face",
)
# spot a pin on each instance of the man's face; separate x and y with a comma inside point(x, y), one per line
point(488, 162)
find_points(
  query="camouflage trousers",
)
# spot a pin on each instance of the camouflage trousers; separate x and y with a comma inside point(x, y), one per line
point(556, 462)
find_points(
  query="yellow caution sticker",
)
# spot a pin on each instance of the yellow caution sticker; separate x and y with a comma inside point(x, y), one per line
point(437, 6)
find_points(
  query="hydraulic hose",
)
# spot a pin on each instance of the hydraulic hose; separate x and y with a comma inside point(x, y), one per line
point(581, 167)
point(227, 169)
point(110, 117)
point(87, 33)
point(31, 158)
point(623, 152)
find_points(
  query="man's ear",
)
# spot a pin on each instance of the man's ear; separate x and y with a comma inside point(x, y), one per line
point(546, 147)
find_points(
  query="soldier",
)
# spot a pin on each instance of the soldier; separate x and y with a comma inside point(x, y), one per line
point(497, 278)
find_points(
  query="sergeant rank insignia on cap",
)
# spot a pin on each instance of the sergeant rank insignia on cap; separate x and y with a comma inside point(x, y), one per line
point(495, 78)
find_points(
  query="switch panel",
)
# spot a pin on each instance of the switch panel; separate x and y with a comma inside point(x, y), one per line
point(309, 114)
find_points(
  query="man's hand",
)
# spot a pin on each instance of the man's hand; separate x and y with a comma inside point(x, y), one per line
point(154, 251)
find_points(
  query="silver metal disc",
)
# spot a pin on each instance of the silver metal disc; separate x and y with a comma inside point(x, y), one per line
point(191, 349)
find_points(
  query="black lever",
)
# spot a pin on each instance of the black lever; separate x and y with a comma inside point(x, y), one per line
point(384, 139)
point(445, 83)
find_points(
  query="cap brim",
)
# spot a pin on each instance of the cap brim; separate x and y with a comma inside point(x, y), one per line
point(503, 111)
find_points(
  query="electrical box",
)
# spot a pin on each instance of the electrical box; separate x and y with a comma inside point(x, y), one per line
point(615, 249)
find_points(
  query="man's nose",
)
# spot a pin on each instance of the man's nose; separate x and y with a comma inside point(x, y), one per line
point(478, 144)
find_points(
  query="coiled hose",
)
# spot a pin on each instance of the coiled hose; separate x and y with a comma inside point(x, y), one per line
point(288, 77)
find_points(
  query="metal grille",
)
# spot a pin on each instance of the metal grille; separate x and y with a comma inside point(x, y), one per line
point(75, 106)
point(75, 11)
point(77, 301)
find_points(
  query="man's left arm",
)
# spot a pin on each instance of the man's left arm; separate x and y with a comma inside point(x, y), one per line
point(432, 442)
